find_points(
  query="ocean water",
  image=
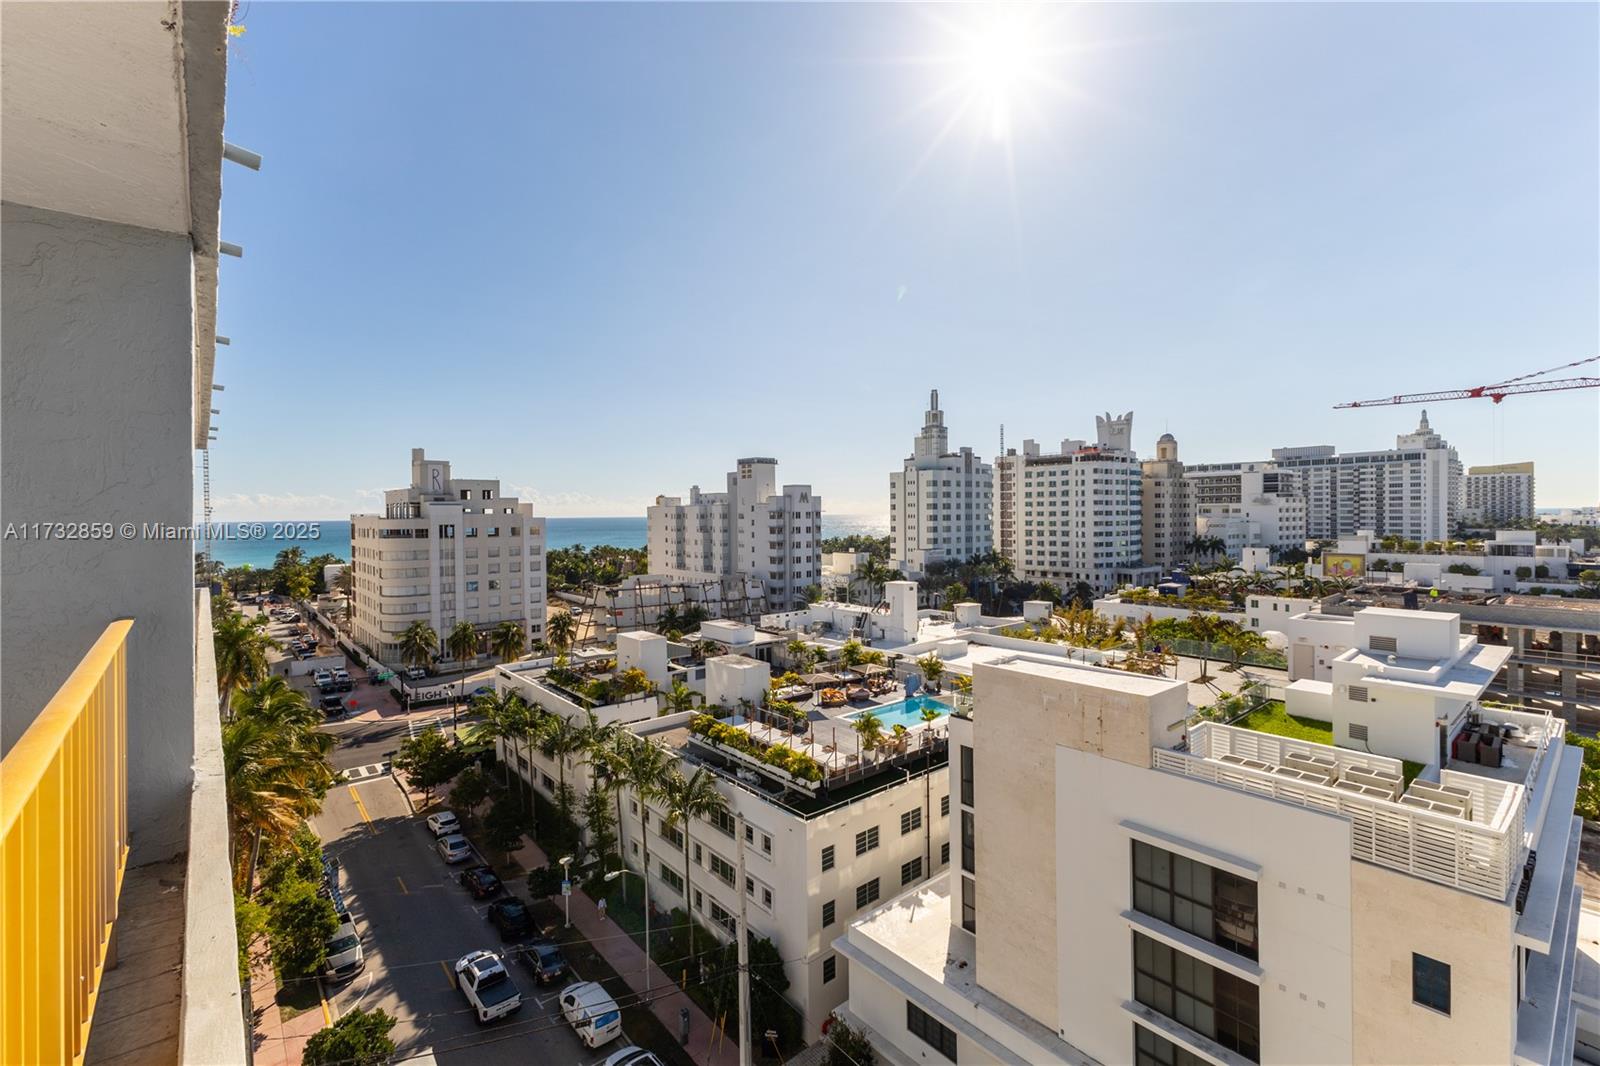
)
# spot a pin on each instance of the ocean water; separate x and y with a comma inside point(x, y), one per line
point(258, 543)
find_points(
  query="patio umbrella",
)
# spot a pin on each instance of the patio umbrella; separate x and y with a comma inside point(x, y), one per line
point(820, 679)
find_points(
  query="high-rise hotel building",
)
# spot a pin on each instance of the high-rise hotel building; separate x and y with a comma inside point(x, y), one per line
point(1075, 514)
point(445, 550)
point(941, 503)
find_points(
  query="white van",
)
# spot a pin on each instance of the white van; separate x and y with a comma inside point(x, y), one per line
point(591, 1012)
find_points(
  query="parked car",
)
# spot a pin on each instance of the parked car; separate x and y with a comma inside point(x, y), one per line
point(489, 989)
point(481, 881)
point(511, 917)
point(345, 959)
point(443, 823)
point(454, 848)
point(341, 678)
point(545, 961)
point(332, 705)
point(416, 673)
point(632, 1056)
point(591, 1012)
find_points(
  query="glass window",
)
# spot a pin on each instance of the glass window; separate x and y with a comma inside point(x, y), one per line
point(936, 1035)
point(827, 857)
point(911, 871)
point(1430, 983)
point(944, 806)
point(1152, 1049)
point(911, 821)
point(969, 905)
point(969, 847)
point(1212, 904)
point(827, 913)
point(1212, 1002)
point(867, 893)
point(966, 775)
point(866, 840)
point(830, 968)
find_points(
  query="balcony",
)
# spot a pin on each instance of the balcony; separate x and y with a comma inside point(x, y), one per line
point(107, 963)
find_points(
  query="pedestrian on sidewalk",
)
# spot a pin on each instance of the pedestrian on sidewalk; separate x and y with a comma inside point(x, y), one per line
point(600, 905)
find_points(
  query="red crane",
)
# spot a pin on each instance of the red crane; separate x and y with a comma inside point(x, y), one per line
point(1517, 386)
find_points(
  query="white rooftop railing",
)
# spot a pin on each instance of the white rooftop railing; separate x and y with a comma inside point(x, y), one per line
point(1481, 858)
point(1213, 740)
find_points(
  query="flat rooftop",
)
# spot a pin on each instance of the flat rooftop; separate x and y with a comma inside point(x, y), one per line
point(1102, 676)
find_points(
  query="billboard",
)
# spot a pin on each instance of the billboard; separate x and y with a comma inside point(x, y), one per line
point(1336, 564)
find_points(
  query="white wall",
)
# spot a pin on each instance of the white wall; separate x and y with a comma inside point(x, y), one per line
point(1303, 900)
point(97, 379)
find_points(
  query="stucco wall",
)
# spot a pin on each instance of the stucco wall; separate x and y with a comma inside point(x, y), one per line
point(97, 384)
point(1391, 916)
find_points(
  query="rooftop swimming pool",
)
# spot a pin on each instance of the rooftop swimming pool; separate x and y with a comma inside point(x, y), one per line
point(907, 712)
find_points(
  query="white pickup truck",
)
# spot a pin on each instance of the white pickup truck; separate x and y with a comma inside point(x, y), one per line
point(483, 979)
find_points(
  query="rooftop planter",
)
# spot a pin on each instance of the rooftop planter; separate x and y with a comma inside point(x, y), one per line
point(779, 761)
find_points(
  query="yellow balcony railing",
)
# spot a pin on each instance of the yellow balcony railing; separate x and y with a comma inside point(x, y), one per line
point(63, 848)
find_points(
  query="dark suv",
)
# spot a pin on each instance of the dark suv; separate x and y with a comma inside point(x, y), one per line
point(481, 881)
point(510, 915)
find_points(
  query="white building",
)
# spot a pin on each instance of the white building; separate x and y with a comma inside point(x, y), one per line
point(751, 530)
point(1166, 507)
point(445, 550)
point(1072, 515)
point(1411, 490)
point(815, 855)
point(1210, 894)
point(1501, 493)
point(1248, 505)
point(941, 503)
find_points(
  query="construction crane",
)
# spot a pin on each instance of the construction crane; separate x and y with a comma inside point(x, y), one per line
point(1517, 386)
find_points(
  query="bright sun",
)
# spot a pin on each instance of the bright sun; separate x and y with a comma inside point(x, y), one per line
point(999, 58)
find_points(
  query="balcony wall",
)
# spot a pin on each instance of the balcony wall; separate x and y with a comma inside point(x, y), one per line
point(97, 429)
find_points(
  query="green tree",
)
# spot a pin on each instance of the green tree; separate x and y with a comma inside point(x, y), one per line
point(847, 1047)
point(642, 767)
point(428, 760)
point(684, 799)
point(470, 789)
point(359, 1038)
point(1524, 573)
point(241, 645)
point(811, 594)
point(561, 630)
point(507, 641)
point(299, 923)
point(680, 698)
point(462, 646)
point(276, 770)
point(1589, 580)
point(852, 653)
point(953, 593)
point(418, 644)
point(504, 717)
point(932, 667)
point(502, 829)
point(869, 727)
point(874, 575)
point(250, 925)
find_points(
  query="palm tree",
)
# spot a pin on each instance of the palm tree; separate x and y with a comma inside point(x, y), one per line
point(503, 716)
point(680, 698)
point(799, 653)
point(874, 575)
point(241, 648)
point(557, 738)
point(932, 668)
point(870, 728)
point(641, 766)
point(275, 765)
point(560, 630)
point(507, 640)
point(418, 644)
point(462, 644)
point(685, 799)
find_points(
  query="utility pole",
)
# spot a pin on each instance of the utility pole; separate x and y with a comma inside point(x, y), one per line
point(744, 953)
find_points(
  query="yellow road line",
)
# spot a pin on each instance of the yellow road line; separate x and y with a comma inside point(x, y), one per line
point(404, 891)
point(362, 807)
point(449, 978)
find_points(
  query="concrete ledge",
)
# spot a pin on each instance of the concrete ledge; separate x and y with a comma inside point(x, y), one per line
point(212, 1028)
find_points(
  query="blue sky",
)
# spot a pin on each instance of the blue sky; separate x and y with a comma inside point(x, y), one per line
point(602, 251)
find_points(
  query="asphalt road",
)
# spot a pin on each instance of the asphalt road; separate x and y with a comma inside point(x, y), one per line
point(415, 921)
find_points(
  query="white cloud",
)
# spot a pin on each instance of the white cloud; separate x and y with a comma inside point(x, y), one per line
point(574, 504)
point(266, 506)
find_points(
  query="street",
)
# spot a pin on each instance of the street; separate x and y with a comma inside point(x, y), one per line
point(415, 921)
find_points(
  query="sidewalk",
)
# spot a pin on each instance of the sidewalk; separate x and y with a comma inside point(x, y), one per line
point(277, 1042)
point(706, 1046)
